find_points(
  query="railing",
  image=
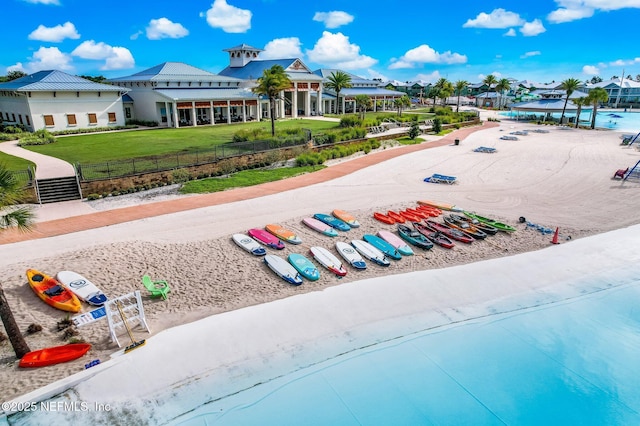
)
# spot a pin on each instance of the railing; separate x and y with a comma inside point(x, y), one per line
point(113, 169)
point(25, 177)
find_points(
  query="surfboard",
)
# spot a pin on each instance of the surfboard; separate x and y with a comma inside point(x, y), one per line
point(283, 269)
point(333, 222)
point(328, 260)
point(351, 255)
point(83, 288)
point(370, 252)
point(282, 233)
point(262, 236)
point(400, 245)
point(382, 245)
point(303, 265)
point(249, 244)
point(321, 227)
point(346, 217)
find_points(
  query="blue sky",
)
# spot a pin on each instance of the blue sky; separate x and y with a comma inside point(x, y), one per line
point(541, 40)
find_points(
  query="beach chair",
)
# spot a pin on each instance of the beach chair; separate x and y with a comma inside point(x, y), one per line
point(485, 149)
point(509, 138)
point(157, 288)
point(437, 178)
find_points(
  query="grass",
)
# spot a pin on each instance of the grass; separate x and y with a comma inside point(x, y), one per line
point(244, 178)
point(101, 147)
point(406, 140)
point(14, 163)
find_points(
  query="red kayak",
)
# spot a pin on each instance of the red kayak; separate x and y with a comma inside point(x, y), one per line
point(431, 211)
point(54, 355)
point(435, 237)
point(410, 217)
point(450, 232)
point(383, 218)
point(416, 212)
point(396, 216)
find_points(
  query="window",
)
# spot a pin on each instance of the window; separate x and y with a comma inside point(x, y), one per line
point(112, 117)
point(71, 119)
point(28, 121)
point(127, 112)
point(20, 118)
point(93, 119)
point(48, 120)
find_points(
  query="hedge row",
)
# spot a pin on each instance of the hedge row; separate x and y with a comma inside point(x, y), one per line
point(316, 158)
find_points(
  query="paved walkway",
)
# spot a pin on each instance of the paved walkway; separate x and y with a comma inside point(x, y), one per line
point(47, 167)
point(110, 217)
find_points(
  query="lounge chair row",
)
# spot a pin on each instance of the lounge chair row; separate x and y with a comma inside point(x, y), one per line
point(485, 149)
point(376, 129)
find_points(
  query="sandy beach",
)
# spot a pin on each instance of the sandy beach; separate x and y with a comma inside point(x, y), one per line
point(560, 179)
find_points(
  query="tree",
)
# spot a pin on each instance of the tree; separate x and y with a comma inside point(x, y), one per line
point(11, 216)
point(402, 102)
point(363, 102)
point(459, 87)
point(502, 86)
point(337, 81)
point(414, 131)
point(579, 102)
point(595, 97)
point(489, 80)
point(570, 85)
point(595, 79)
point(442, 89)
point(271, 83)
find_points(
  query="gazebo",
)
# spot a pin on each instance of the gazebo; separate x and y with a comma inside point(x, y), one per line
point(545, 107)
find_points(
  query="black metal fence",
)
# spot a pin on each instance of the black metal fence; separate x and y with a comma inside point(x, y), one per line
point(113, 169)
point(25, 177)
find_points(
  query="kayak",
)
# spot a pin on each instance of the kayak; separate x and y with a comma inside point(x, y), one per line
point(52, 292)
point(491, 222)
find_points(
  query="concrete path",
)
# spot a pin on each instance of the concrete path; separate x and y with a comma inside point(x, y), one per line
point(46, 166)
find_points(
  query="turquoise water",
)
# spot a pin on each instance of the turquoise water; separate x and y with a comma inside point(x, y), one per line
point(569, 363)
point(622, 121)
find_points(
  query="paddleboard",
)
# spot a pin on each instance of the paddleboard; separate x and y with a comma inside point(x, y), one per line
point(321, 227)
point(382, 245)
point(249, 244)
point(346, 217)
point(333, 222)
point(351, 255)
point(370, 252)
point(83, 288)
point(441, 206)
point(262, 236)
point(283, 234)
point(303, 265)
point(283, 269)
point(328, 260)
point(397, 242)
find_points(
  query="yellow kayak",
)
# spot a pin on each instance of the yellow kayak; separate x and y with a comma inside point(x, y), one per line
point(52, 292)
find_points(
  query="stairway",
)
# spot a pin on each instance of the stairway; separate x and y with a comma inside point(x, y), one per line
point(54, 190)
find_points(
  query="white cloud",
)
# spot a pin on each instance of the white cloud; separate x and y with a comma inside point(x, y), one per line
point(135, 35)
point(530, 54)
point(498, 18)
point(54, 2)
point(572, 10)
point(116, 58)
point(288, 47)
point(164, 28)
point(496, 74)
point(531, 29)
point(55, 34)
point(590, 70)
point(336, 50)
point(375, 74)
point(426, 54)
point(229, 18)
point(17, 67)
point(510, 33)
point(567, 15)
point(333, 19)
point(429, 78)
point(624, 62)
point(46, 58)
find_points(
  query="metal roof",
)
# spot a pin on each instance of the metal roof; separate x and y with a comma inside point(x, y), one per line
point(242, 46)
point(53, 80)
point(205, 94)
point(370, 91)
point(254, 69)
point(325, 73)
point(544, 105)
point(174, 71)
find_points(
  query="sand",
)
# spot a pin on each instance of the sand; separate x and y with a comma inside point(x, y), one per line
point(557, 179)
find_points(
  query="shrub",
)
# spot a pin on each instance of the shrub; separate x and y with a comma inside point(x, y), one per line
point(437, 125)
point(350, 121)
point(92, 197)
point(34, 328)
point(180, 175)
point(39, 137)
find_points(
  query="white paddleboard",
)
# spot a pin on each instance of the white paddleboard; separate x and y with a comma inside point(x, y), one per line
point(82, 287)
point(370, 252)
point(249, 244)
point(350, 255)
point(328, 260)
point(283, 269)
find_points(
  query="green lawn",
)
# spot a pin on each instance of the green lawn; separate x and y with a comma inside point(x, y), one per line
point(244, 178)
point(100, 147)
point(14, 163)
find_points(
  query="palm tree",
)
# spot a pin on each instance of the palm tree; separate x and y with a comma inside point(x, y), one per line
point(446, 91)
point(363, 102)
point(502, 86)
point(440, 89)
point(569, 85)
point(337, 81)
point(489, 80)
point(579, 102)
point(459, 87)
point(22, 218)
point(271, 83)
point(594, 98)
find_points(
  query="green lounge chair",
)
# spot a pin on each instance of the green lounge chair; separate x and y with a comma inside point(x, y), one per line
point(156, 288)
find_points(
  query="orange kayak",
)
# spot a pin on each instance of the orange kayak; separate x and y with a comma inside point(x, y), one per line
point(396, 216)
point(52, 292)
point(383, 218)
point(54, 355)
point(410, 217)
point(441, 206)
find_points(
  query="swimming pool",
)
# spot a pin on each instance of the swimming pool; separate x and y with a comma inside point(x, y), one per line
point(572, 362)
point(614, 120)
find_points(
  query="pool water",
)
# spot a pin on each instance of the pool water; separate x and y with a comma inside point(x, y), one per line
point(571, 362)
point(616, 120)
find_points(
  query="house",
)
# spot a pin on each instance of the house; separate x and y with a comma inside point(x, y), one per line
point(622, 93)
point(56, 101)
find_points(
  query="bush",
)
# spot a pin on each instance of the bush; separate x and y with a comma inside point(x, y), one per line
point(180, 175)
point(39, 137)
point(92, 197)
point(437, 125)
point(350, 121)
point(34, 328)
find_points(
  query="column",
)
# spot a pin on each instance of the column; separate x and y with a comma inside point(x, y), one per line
point(174, 107)
point(307, 102)
point(211, 116)
point(294, 100)
point(375, 103)
point(280, 113)
point(228, 111)
point(244, 111)
point(194, 117)
point(320, 106)
point(168, 115)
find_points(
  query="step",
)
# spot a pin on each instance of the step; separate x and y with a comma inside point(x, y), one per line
point(54, 190)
